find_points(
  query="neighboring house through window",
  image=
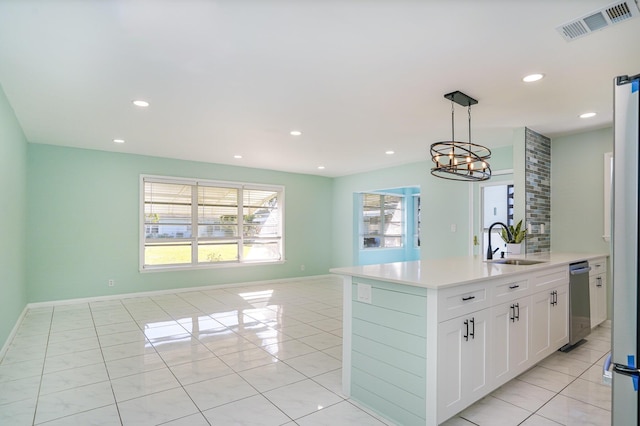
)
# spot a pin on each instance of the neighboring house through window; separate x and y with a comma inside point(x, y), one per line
point(200, 223)
point(383, 221)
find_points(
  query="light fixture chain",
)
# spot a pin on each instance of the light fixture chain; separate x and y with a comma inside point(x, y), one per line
point(453, 127)
point(469, 108)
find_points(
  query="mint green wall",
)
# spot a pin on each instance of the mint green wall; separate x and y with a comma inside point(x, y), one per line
point(13, 254)
point(577, 191)
point(83, 223)
point(443, 203)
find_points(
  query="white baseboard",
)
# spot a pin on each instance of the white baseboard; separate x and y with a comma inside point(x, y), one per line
point(14, 330)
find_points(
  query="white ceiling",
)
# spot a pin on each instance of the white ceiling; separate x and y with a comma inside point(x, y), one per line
point(357, 77)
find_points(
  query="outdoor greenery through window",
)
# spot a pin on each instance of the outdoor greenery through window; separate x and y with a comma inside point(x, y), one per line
point(198, 223)
point(382, 221)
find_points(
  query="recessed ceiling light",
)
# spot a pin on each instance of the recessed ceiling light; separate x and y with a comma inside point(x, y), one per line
point(588, 115)
point(237, 156)
point(295, 133)
point(320, 167)
point(118, 140)
point(389, 152)
point(532, 77)
point(141, 103)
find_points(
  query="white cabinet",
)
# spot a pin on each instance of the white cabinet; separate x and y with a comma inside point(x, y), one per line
point(598, 291)
point(550, 321)
point(559, 331)
point(510, 339)
point(462, 362)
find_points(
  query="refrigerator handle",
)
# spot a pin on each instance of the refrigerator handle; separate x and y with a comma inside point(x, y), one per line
point(626, 370)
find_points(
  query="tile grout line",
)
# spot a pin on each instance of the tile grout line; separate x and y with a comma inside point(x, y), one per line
point(44, 363)
point(115, 401)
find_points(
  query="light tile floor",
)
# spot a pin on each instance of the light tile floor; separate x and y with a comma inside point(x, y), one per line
point(254, 355)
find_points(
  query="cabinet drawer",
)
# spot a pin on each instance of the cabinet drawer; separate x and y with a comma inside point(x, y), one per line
point(508, 290)
point(598, 266)
point(550, 278)
point(461, 300)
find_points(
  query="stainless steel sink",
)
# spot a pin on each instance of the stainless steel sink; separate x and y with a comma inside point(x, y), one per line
point(516, 261)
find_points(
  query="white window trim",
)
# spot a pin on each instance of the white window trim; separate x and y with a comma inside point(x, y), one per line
point(196, 266)
point(361, 233)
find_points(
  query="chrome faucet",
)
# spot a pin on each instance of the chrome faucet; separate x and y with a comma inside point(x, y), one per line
point(489, 248)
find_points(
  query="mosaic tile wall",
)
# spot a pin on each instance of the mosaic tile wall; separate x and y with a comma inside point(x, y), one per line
point(538, 190)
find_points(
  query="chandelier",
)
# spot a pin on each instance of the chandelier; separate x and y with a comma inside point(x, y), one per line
point(455, 160)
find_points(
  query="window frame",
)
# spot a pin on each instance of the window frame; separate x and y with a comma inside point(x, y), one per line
point(362, 234)
point(193, 183)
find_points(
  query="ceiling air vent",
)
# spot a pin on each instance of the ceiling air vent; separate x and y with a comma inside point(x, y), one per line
point(609, 15)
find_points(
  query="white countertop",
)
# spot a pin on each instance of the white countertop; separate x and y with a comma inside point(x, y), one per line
point(452, 271)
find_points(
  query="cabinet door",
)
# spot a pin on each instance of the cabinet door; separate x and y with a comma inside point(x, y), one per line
point(474, 355)
point(450, 374)
point(601, 285)
point(559, 325)
point(598, 299)
point(519, 336)
point(510, 339)
point(500, 324)
point(593, 300)
point(541, 324)
point(462, 362)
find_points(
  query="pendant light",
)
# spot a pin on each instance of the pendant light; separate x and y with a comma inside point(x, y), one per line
point(464, 161)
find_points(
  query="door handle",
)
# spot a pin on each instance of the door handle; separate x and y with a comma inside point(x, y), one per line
point(464, 299)
point(512, 315)
point(518, 311)
point(512, 287)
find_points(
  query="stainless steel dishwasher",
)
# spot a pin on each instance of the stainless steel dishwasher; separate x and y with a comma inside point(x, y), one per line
point(579, 304)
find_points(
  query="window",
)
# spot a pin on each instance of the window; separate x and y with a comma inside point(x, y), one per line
point(497, 201)
point(416, 220)
point(382, 221)
point(195, 223)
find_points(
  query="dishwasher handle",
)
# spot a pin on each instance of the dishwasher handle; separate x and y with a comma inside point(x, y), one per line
point(580, 271)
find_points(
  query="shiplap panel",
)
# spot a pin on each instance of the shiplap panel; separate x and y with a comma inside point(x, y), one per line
point(389, 355)
point(381, 405)
point(395, 300)
point(407, 323)
point(388, 352)
point(408, 381)
point(408, 289)
point(398, 396)
point(388, 336)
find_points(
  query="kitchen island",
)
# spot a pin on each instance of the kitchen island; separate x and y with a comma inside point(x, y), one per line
point(423, 340)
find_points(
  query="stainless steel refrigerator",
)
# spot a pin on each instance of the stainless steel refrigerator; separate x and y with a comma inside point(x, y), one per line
point(625, 241)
